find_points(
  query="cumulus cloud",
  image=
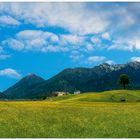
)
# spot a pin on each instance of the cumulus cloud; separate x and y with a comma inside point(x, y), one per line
point(81, 18)
point(137, 43)
point(36, 34)
point(35, 40)
point(125, 44)
point(51, 48)
point(73, 17)
point(7, 20)
point(13, 44)
point(3, 54)
point(72, 39)
point(76, 56)
point(86, 27)
point(95, 40)
point(89, 47)
point(122, 44)
point(10, 73)
point(95, 59)
point(106, 36)
point(76, 17)
point(135, 59)
point(123, 47)
point(43, 41)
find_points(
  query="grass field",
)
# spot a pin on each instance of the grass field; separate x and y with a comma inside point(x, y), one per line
point(89, 115)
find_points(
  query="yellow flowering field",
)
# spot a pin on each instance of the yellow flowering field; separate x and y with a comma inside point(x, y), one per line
point(71, 117)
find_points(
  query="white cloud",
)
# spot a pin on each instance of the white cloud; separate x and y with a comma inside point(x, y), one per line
point(95, 59)
point(135, 59)
point(128, 20)
point(13, 44)
point(89, 47)
point(120, 47)
point(106, 36)
point(42, 41)
point(72, 39)
point(38, 40)
point(78, 20)
point(110, 62)
point(73, 17)
point(126, 44)
point(7, 20)
point(134, 42)
point(76, 56)
point(10, 73)
point(137, 44)
point(4, 56)
point(122, 44)
point(34, 40)
point(95, 40)
point(37, 34)
point(52, 48)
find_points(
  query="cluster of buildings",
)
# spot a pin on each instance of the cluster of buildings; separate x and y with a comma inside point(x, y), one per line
point(64, 93)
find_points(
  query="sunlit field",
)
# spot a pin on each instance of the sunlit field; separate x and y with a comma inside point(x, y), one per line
point(89, 115)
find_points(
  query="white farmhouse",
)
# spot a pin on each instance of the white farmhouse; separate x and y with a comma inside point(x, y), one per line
point(77, 92)
point(58, 93)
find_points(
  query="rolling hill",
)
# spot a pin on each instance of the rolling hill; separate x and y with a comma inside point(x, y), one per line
point(106, 96)
point(99, 78)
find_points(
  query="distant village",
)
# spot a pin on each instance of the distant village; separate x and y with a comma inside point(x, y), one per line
point(64, 93)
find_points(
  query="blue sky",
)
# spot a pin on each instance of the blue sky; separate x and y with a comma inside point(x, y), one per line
point(45, 38)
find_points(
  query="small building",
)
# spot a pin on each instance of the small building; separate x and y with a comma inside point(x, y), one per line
point(77, 92)
point(58, 93)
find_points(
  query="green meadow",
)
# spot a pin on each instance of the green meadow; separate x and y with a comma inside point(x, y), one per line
point(89, 115)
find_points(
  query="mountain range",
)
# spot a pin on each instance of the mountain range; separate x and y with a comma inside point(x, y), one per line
point(99, 78)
